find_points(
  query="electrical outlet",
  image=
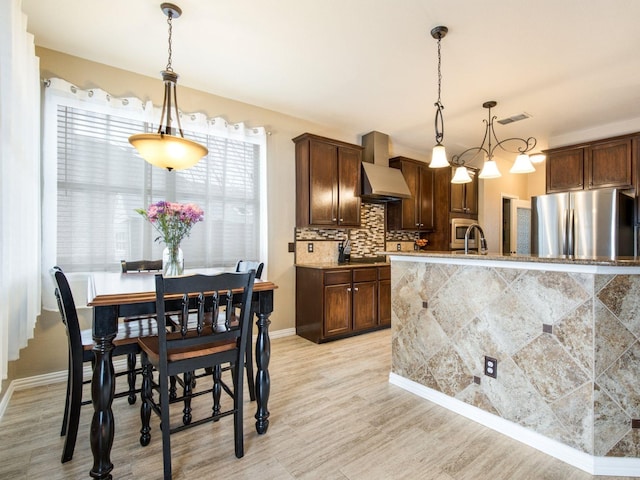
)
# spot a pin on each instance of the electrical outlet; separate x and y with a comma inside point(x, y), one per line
point(310, 247)
point(490, 367)
point(398, 247)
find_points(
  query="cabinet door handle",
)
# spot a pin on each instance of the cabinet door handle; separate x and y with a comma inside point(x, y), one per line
point(348, 289)
point(334, 219)
point(342, 219)
point(355, 289)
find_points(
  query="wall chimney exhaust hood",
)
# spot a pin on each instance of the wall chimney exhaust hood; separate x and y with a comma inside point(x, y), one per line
point(380, 183)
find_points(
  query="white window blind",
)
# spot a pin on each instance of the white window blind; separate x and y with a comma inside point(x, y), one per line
point(100, 181)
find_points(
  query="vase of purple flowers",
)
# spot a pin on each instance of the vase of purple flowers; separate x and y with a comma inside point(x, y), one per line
point(173, 221)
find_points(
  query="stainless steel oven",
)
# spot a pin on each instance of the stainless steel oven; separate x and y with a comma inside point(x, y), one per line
point(458, 229)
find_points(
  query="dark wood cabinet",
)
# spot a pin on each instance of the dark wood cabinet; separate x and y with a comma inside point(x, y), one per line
point(416, 213)
point(327, 182)
point(365, 298)
point(464, 196)
point(335, 303)
point(565, 170)
point(610, 164)
point(599, 164)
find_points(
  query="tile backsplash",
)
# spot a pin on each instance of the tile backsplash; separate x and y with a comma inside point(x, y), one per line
point(370, 238)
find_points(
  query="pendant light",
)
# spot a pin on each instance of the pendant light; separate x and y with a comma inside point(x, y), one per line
point(490, 168)
point(438, 154)
point(165, 149)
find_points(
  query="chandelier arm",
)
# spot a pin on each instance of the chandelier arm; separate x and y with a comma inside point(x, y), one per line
point(459, 161)
point(175, 102)
point(165, 116)
point(487, 136)
point(528, 144)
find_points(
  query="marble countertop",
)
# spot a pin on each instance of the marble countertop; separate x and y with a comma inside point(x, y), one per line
point(597, 261)
point(334, 265)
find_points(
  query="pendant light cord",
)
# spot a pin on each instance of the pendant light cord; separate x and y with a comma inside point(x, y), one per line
point(170, 51)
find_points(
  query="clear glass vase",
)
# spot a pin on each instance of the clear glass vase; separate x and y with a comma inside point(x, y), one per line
point(172, 261)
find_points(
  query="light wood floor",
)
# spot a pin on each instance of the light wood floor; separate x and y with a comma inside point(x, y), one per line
point(334, 416)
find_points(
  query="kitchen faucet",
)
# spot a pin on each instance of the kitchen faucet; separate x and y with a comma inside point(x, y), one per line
point(482, 242)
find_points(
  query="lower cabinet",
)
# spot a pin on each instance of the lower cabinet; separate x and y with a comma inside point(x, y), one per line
point(335, 303)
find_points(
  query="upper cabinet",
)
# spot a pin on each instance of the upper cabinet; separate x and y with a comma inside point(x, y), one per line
point(565, 170)
point(599, 164)
point(464, 196)
point(417, 212)
point(327, 182)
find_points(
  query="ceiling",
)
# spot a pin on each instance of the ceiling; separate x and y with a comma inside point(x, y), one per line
point(362, 65)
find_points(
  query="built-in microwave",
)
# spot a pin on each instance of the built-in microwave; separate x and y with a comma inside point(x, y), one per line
point(458, 229)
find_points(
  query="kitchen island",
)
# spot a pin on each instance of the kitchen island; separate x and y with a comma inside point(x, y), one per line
point(564, 333)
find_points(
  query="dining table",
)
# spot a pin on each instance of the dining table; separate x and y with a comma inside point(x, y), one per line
point(113, 296)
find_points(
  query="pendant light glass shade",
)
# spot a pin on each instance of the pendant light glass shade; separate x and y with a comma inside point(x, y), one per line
point(439, 157)
point(164, 149)
point(461, 175)
point(490, 170)
point(522, 165)
point(167, 151)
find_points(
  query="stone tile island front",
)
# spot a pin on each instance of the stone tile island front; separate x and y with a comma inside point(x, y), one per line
point(565, 336)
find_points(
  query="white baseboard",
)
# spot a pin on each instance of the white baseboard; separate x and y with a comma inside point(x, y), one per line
point(54, 377)
point(608, 466)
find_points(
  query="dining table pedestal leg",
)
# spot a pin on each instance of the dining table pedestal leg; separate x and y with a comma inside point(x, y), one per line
point(102, 390)
point(263, 309)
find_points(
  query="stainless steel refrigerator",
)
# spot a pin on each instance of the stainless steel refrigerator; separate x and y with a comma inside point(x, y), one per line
point(593, 223)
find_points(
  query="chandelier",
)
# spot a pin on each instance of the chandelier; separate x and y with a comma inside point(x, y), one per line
point(438, 154)
point(488, 146)
point(165, 149)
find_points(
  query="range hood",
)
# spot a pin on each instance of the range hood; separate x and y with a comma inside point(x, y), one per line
point(380, 183)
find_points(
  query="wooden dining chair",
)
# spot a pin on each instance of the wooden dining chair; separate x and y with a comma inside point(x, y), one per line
point(137, 266)
point(245, 266)
point(81, 351)
point(141, 266)
point(203, 344)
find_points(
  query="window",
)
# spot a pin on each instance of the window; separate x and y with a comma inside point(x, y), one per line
point(100, 181)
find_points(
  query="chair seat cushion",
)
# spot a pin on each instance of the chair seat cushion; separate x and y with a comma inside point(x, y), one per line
point(150, 346)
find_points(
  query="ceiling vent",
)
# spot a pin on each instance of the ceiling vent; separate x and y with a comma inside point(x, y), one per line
point(514, 118)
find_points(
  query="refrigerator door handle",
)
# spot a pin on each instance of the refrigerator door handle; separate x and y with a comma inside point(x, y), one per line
point(570, 231)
